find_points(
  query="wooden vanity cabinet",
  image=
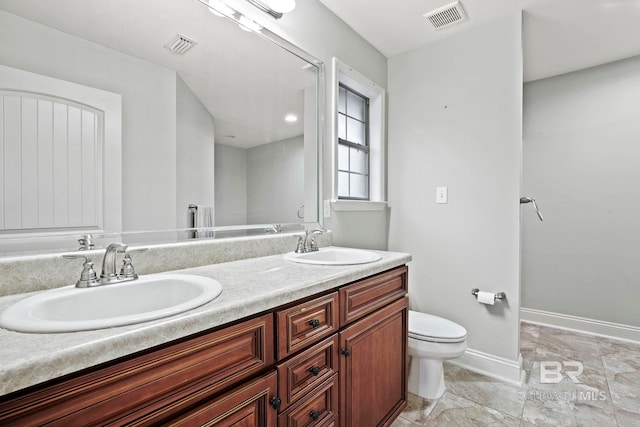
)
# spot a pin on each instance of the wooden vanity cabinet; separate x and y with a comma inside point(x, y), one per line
point(247, 406)
point(374, 367)
point(337, 358)
point(372, 351)
point(151, 386)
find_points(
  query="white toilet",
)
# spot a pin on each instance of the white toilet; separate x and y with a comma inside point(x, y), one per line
point(432, 339)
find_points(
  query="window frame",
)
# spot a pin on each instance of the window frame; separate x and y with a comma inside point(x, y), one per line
point(366, 148)
point(343, 73)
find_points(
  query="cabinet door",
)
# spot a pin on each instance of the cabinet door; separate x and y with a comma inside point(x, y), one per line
point(374, 367)
point(246, 406)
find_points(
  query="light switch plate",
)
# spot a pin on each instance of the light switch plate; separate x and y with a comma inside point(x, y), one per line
point(441, 195)
point(327, 208)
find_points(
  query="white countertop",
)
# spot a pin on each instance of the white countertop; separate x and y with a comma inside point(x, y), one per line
point(249, 286)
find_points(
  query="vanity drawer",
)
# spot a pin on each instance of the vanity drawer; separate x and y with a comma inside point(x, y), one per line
point(331, 422)
point(247, 405)
point(302, 373)
point(304, 324)
point(317, 409)
point(368, 295)
point(157, 383)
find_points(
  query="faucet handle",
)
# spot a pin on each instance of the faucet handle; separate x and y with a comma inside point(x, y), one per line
point(300, 246)
point(313, 245)
point(86, 242)
point(310, 244)
point(127, 271)
point(275, 228)
point(88, 277)
point(315, 231)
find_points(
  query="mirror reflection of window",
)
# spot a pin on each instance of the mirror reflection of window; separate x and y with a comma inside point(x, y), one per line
point(353, 145)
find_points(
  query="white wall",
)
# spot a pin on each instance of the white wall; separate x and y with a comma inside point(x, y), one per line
point(361, 229)
point(314, 28)
point(275, 184)
point(148, 110)
point(581, 163)
point(195, 175)
point(254, 180)
point(230, 185)
point(455, 120)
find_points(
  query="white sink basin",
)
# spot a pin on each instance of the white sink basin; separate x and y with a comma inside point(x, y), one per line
point(72, 309)
point(334, 255)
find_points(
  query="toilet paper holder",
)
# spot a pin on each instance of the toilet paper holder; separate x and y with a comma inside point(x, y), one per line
point(498, 296)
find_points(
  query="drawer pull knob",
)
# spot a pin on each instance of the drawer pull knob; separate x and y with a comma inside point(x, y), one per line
point(314, 370)
point(275, 402)
point(346, 352)
point(314, 415)
point(315, 323)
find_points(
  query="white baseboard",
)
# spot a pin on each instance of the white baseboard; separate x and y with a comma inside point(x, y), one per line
point(492, 366)
point(581, 324)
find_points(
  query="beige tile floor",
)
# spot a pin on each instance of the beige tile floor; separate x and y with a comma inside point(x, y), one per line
point(607, 394)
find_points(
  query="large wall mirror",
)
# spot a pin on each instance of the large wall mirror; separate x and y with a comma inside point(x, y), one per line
point(118, 117)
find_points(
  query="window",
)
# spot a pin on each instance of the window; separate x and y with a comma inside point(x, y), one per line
point(357, 123)
point(353, 144)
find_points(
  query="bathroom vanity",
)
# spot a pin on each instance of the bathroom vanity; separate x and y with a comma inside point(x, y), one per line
point(284, 345)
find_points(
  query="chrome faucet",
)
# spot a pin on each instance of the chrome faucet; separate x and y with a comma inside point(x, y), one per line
point(109, 274)
point(109, 262)
point(308, 244)
point(275, 228)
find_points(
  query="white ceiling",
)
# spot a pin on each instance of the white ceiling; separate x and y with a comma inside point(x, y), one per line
point(247, 84)
point(559, 36)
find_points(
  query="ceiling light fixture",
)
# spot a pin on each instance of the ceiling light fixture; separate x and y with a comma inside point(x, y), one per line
point(249, 25)
point(291, 118)
point(282, 6)
point(275, 8)
point(219, 8)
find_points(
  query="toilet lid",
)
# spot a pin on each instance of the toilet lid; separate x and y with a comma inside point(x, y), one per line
point(426, 327)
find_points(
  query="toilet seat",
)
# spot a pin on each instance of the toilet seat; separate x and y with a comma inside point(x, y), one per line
point(426, 327)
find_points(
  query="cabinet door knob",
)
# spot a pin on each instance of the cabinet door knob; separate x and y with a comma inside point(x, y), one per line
point(275, 402)
point(346, 351)
point(314, 415)
point(315, 323)
point(314, 370)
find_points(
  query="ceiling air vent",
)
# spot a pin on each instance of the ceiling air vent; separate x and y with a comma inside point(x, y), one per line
point(446, 15)
point(180, 44)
